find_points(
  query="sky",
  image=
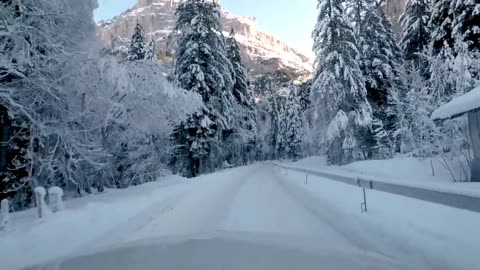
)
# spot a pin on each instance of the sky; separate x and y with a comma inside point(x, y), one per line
point(290, 20)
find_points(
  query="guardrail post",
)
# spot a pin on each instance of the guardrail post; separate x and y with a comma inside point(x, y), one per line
point(4, 213)
point(42, 208)
point(56, 202)
point(364, 204)
point(306, 178)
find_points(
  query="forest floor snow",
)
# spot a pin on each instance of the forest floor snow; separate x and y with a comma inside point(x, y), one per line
point(252, 217)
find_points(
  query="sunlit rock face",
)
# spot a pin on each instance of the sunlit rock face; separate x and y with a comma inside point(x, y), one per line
point(262, 52)
point(267, 58)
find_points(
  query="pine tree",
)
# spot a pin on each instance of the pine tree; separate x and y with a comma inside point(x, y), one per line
point(292, 135)
point(441, 53)
point(466, 23)
point(150, 54)
point(339, 86)
point(304, 95)
point(202, 66)
point(415, 32)
point(454, 48)
point(441, 20)
point(136, 50)
point(466, 31)
point(380, 62)
point(275, 114)
point(281, 128)
point(245, 127)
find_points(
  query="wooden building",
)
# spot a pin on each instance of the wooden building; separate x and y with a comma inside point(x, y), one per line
point(468, 104)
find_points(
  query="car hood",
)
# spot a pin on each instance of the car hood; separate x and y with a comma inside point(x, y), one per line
point(232, 251)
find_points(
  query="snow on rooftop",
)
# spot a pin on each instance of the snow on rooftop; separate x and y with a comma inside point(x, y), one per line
point(459, 105)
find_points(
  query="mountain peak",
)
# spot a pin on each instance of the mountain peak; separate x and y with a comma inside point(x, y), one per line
point(144, 3)
point(261, 51)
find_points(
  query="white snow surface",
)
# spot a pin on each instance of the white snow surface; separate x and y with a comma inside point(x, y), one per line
point(40, 191)
point(459, 105)
point(337, 126)
point(256, 217)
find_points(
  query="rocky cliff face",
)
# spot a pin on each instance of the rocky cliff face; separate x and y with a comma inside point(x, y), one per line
point(394, 9)
point(262, 52)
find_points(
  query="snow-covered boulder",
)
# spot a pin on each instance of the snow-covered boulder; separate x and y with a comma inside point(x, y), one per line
point(55, 196)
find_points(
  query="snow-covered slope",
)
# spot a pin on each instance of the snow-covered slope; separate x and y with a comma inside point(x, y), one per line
point(262, 52)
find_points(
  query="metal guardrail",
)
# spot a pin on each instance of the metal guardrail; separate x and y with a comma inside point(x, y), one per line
point(459, 201)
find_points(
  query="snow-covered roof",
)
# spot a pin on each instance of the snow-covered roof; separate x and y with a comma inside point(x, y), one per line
point(458, 106)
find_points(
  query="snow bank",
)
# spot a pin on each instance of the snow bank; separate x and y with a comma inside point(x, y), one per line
point(427, 173)
point(426, 235)
point(460, 105)
point(80, 227)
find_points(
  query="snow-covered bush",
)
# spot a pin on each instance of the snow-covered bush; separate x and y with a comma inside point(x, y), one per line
point(55, 199)
point(149, 106)
point(4, 214)
point(42, 208)
point(88, 120)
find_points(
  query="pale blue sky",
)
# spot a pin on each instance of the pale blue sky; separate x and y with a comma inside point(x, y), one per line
point(290, 20)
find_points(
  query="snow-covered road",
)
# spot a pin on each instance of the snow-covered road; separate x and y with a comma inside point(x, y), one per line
point(245, 200)
point(255, 202)
point(263, 204)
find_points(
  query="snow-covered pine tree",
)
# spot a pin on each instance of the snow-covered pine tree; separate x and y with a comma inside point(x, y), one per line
point(281, 128)
point(380, 62)
point(454, 48)
point(416, 33)
point(274, 116)
point(395, 70)
point(202, 66)
point(150, 54)
point(466, 31)
point(136, 51)
point(440, 23)
point(245, 127)
point(304, 95)
point(338, 92)
point(293, 125)
point(466, 23)
point(441, 53)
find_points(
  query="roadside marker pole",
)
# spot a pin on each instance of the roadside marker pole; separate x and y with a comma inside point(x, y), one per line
point(364, 204)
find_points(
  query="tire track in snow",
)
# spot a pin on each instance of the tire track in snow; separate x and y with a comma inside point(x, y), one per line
point(263, 205)
point(120, 233)
point(200, 209)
